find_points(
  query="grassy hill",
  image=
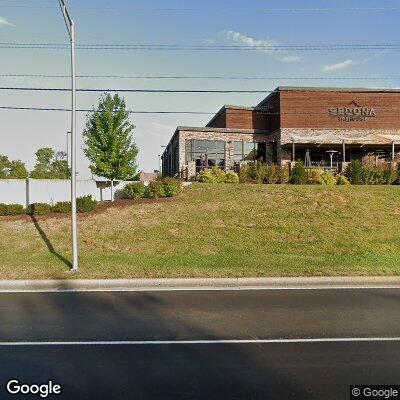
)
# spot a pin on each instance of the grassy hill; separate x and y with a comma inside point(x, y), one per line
point(219, 230)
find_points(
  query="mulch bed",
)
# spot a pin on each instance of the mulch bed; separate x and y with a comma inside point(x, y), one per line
point(101, 207)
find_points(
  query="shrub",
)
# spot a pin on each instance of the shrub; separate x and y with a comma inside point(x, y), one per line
point(271, 174)
point(398, 173)
point(155, 190)
point(342, 180)
point(299, 174)
point(315, 176)
point(282, 174)
point(253, 173)
point(62, 207)
point(244, 174)
point(213, 175)
point(258, 172)
point(172, 187)
point(85, 204)
point(355, 173)
point(379, 175)
point(219, 174)
point(232, 177)
point(134, 190)
point(388, 175)
point(206, 176)
point(11, 209)
point(327, 178)
point(39, 209)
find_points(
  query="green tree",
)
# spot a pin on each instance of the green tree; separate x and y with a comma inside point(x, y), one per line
point(299, 174)
point(109, 144)
point(355, 173)
point(14, 169)
point(50, 165)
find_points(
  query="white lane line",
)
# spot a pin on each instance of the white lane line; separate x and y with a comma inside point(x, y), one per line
point(173, 289)
point(196, 342)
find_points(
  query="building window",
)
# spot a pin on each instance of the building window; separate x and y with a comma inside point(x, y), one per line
point(206, 153)
point(249, 151)
point(237, 152)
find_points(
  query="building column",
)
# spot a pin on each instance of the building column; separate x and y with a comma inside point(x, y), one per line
point(293, 151)
point(278, 152)
point(344, 151)
point(393, 154)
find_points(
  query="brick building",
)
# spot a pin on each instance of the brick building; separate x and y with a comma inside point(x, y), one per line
point(324, 127)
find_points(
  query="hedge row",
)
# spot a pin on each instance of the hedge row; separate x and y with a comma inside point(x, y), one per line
point(166, 187)
point(83, 205)
point(217, 175)
point(355, 174)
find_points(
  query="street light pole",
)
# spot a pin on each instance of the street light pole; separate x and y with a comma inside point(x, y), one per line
point(74, 236)
point(68, 151)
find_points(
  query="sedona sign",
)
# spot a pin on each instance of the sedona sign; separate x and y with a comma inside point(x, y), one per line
point(352, 112)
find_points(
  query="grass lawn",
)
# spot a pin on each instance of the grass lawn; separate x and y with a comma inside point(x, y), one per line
point(218, 231)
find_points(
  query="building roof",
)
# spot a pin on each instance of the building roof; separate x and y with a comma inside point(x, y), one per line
point(334, 89)
point(212, 129)
point(228, 107)
point(325, 89)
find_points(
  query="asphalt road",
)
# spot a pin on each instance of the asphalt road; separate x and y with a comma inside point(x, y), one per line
point(211, 370)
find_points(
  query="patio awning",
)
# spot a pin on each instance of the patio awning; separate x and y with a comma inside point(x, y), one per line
point(339, 137)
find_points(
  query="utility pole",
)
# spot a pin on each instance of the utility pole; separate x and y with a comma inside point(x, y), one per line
point(74, 236)
point(68, 152)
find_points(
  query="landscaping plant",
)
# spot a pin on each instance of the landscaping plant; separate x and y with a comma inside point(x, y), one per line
point(327, 178)
point(315, 176)
point(341, 180)
point(11, 209)
point(172, 187)
point(232, 177)
point(299, 174)
point(155, 190)
point(62, 207)
point(134, 190)
point(355, 173)
point(39, 209)
point(85, 204)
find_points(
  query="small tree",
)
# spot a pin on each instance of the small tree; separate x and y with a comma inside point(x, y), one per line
point(109, 144)
point(50, 165)
point(14, 169)
point(299, 175)
point(355, 173)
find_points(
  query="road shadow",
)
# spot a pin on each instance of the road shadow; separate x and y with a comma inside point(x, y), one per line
point(170, 372)
point(48, 243)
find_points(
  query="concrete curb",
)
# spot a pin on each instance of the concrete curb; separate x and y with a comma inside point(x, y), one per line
point(339, 282)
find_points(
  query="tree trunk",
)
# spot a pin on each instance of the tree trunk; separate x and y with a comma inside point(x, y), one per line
point(112, 190)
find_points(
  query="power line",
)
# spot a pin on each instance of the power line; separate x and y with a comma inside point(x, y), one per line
point(31, 89)
point(89, 110)
point(386, 111)
point(213, 77)
point(183, 91)
point(208, 9)
point(181, 47)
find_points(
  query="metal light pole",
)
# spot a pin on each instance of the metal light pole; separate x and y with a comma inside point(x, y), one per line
point(68, 152)
point(74, 236)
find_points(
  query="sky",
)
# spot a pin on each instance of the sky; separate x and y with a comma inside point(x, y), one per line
point(233, 22)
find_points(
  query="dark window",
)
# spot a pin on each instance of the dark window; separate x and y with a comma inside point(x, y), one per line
point(206, 152)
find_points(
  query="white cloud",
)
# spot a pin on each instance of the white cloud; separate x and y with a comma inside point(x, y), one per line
point(209, 41)
point(294, 58)
point(4, 22)
point(251, 42)
point(341, 65)
point(267, 46)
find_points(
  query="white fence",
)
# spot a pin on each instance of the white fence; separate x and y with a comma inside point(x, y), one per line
point(28, 191)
